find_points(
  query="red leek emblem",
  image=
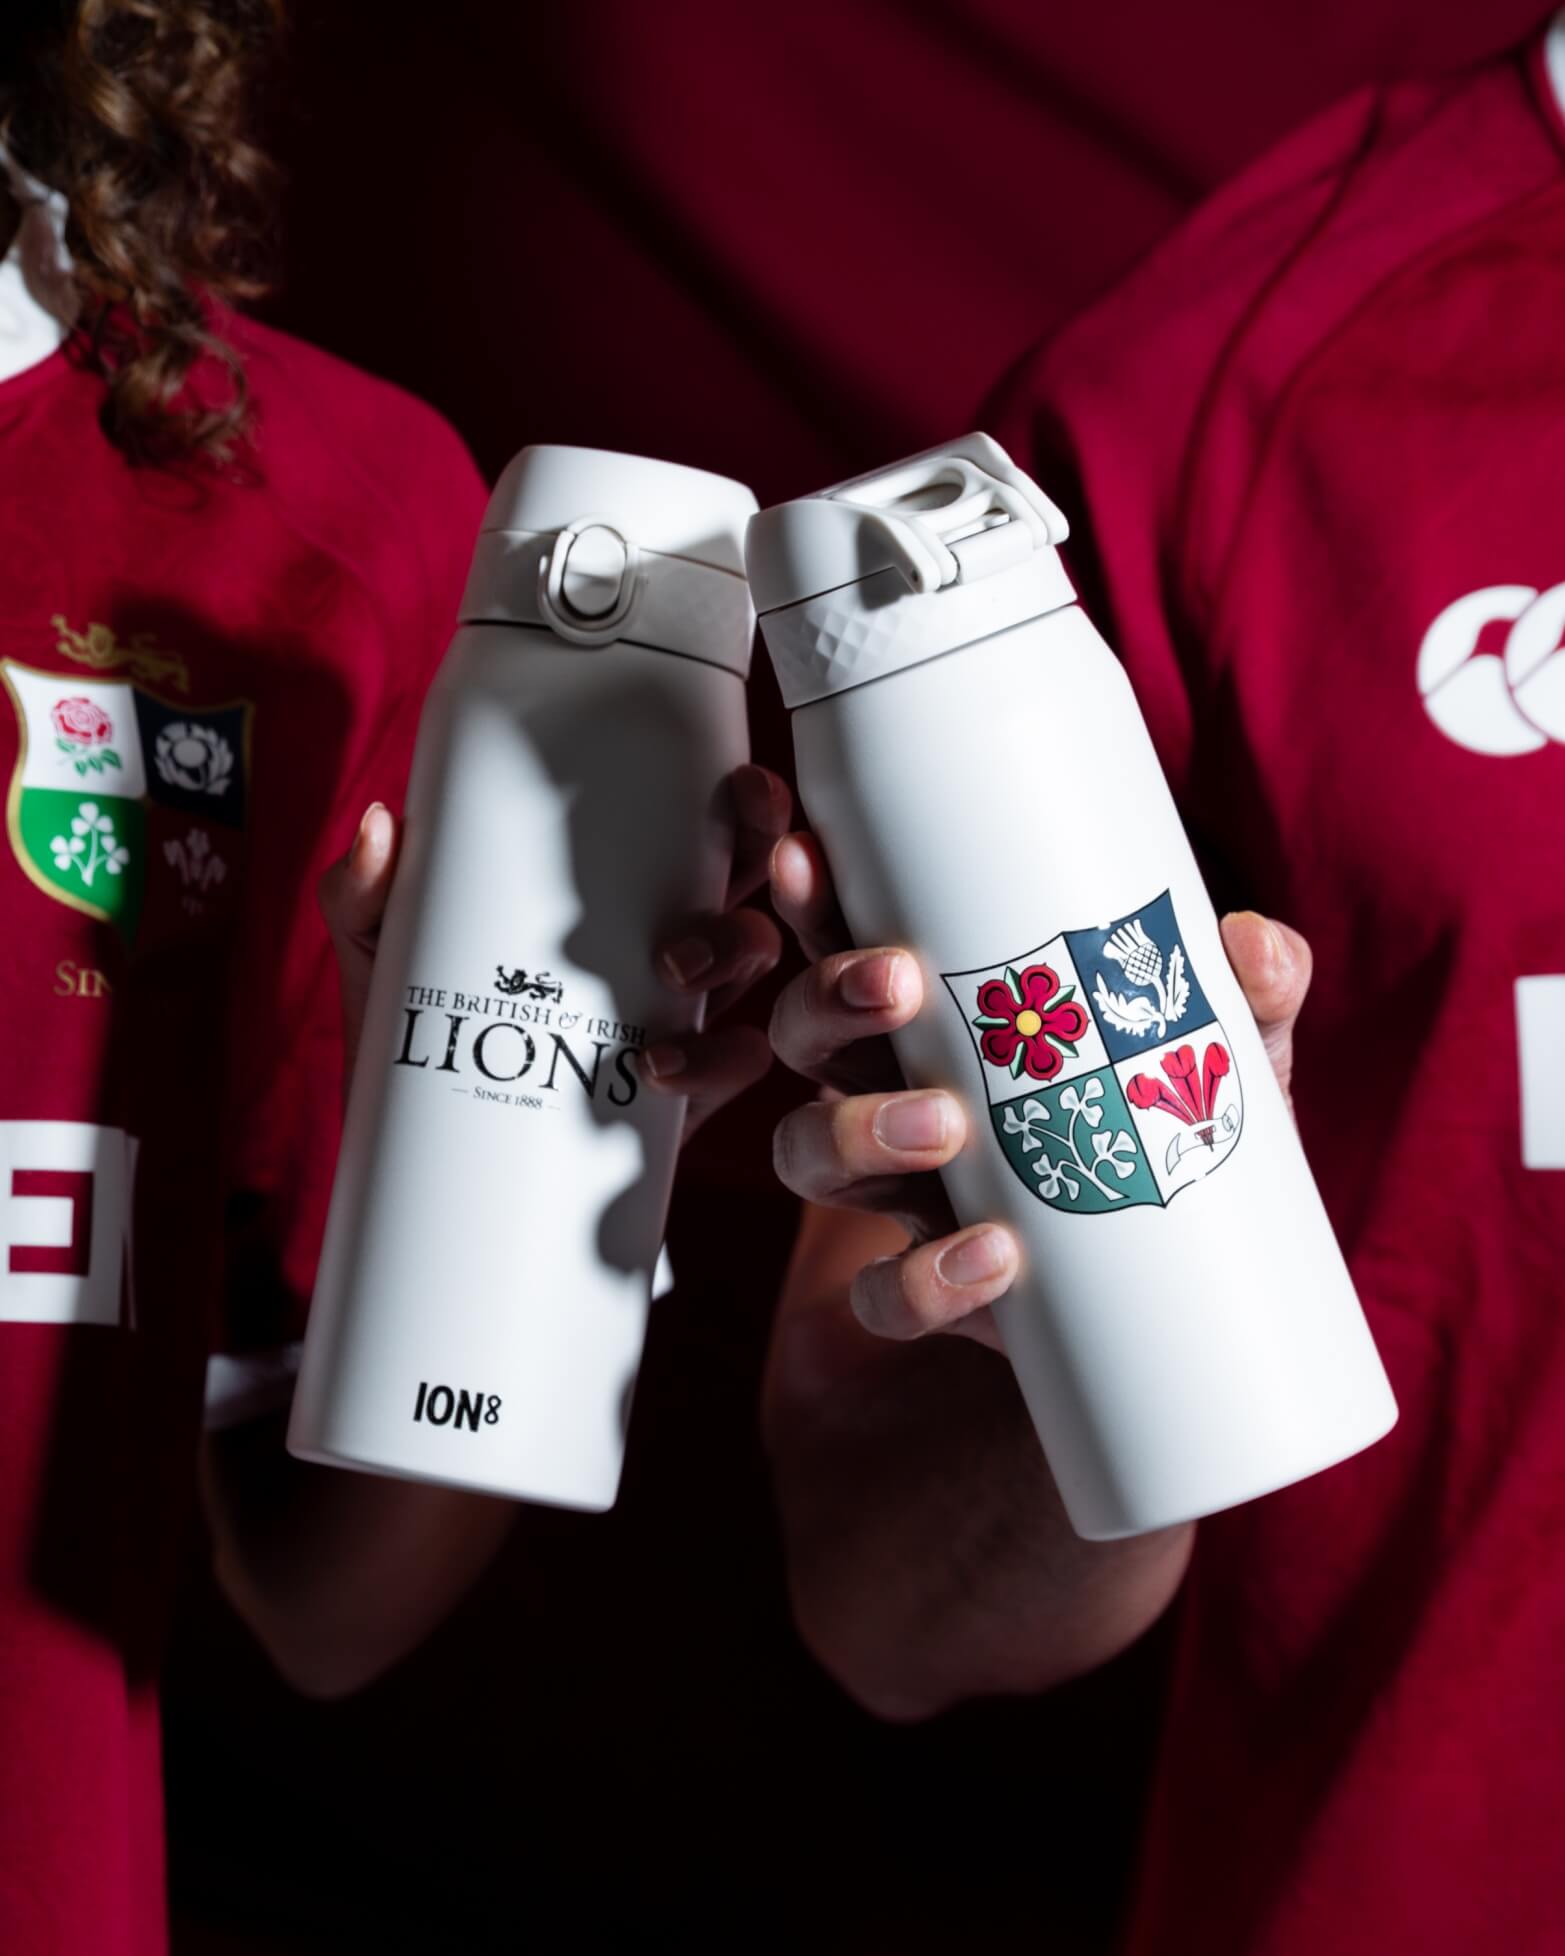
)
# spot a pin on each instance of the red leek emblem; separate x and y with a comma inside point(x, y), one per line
point(1193, 1099)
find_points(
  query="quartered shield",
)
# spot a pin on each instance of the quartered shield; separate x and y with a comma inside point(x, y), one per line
point(1110, 1082)
point(116, 788)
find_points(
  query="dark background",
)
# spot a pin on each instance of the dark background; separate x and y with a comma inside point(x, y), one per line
point(787, 243)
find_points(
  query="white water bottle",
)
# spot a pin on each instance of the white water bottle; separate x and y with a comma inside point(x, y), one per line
point(501, 1192)
point(972, 759)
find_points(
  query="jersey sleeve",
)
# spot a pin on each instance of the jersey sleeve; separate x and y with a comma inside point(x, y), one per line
point(1110, 415)
point(287, 1100)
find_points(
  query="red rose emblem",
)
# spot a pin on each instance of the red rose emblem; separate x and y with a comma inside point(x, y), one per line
point(82, 721)
point(1028, 1022)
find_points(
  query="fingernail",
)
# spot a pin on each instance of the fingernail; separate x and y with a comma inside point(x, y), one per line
point(685, 961)
point(974, 1259)
point(862, 1300)
point(663, 1062)
point(912, 1124)
point(788, 858)
point(1274, 945)
point(374, 808)
point(871, 981)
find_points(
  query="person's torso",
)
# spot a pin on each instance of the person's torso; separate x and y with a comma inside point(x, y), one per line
point(1366, 1733)
point(193, 668)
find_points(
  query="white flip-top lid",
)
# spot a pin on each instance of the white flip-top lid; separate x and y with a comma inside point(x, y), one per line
point(901, 565)
point(601, 549)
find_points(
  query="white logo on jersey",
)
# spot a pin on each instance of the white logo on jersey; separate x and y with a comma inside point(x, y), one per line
point(1507, 702)
point(64, 1221)
point(1540, 1051)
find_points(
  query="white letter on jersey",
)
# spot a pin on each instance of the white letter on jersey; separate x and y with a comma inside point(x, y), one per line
point(1540, 1047)
point(64, 1219)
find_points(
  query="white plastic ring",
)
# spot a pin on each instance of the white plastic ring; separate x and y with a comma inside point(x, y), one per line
point(558, 612)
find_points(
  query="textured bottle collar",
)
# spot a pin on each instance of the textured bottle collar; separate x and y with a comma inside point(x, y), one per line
point(878, 626)
point(899, 566)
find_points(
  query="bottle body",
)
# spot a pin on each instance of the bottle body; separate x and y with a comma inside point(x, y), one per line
point(504, 1177)
point(1184, 1329)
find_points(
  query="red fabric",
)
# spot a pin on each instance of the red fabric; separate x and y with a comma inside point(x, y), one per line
point(783, 242)
point(320, 591)
point(1327, 408)
point(788, 241)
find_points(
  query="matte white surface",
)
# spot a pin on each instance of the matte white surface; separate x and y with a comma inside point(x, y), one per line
point(1179, 1359)
point(1540, 1050)
point(493, 1235)
point(868, 630)
point(660, 506)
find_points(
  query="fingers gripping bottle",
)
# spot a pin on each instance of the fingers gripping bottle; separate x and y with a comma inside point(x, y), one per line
point(1184, 1329)
point(504, 1176)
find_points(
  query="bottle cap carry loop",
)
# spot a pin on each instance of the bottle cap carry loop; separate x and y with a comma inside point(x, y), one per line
point(902, 565)
point(590, 586)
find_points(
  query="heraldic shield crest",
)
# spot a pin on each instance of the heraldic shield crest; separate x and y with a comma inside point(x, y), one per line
point(113, 781)
point(1110, 1083)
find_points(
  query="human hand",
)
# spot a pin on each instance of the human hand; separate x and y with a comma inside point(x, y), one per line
point(869, 1143)
point(721, 954)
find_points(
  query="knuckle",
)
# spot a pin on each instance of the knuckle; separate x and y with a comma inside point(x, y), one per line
point(845, 1133)
point(876, 1297)
point(820, 984)
point(924, 1297)
point(803, 1152)
point(817, 1149)
point(902, 1296)
point(786, 1011)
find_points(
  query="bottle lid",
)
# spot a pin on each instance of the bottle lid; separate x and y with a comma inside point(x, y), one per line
point(899, 566)
point(603, 549)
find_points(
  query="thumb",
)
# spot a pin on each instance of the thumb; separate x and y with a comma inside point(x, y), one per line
point(1272, 963)
point(353, 891)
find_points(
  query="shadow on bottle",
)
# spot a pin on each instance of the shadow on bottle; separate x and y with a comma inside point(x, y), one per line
point(632, 754)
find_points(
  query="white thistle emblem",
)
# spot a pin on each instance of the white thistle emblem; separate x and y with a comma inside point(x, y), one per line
point(194, 757)
point(1144, 967)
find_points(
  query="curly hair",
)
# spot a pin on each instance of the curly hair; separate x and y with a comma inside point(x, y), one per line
point(138, 112)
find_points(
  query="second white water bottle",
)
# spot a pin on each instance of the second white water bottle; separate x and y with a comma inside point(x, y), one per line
point(972, 758)
point(504, 1176)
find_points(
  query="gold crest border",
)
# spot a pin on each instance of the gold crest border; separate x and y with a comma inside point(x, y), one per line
point(13, 799)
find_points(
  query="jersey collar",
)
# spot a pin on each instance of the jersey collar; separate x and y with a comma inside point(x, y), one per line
point(37, 295)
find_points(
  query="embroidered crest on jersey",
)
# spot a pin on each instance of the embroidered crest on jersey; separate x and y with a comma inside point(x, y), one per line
point(113, 782)
point(99, 648)
point(1109, 1081)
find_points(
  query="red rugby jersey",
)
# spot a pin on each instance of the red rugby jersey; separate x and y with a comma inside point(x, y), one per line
point(1311, 449)
point(202, 683)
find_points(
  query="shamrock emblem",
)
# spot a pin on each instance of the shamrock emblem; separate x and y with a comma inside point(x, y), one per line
point(91, 845)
